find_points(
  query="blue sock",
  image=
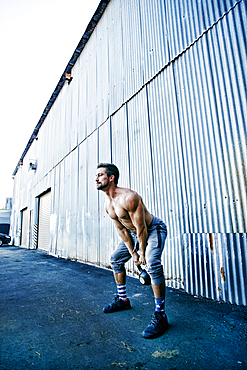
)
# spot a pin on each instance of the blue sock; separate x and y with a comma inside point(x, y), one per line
point(160, 305)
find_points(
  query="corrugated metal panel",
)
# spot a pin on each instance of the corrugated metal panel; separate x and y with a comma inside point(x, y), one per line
point(102, 72)
point(155, 50)
point(216, 266)
point(190, 19)
point(92, 211)
point(120, 144)
point(120, 156)
point(61, 212)
point(140, 156)
point(116, 57)
point(82, 207)
point(213, 132)
point(71, 200)
point(106, 243)
point(132, 48)
point(170, 189)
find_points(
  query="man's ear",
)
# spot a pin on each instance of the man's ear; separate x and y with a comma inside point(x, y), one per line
point(112, 177)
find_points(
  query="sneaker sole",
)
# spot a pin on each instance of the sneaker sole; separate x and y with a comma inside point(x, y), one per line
point(153, 336)
point(121, 309)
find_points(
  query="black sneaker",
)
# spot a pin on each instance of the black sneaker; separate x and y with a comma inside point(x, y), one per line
point(117, 305)
point(157, 326)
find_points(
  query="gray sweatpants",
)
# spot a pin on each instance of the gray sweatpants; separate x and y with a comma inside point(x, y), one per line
point(157, 233)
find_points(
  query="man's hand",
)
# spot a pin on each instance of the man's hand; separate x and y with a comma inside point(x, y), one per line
point(139, 259)
point(142, 259)
point(135, 257)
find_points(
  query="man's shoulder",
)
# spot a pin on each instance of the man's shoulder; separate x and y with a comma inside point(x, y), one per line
point(128, 193)
point(129, 198)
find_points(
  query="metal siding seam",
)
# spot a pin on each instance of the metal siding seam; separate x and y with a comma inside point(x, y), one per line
point(229, 270)
point(210, 288)
point(222, 295)
point(206, 266)
point(234, 267)
point(200, 269)
point(241, 268)
point(190, 274)
point(243, 246)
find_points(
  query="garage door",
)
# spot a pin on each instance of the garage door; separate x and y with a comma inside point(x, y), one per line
point(44, 221)
point(24, 226)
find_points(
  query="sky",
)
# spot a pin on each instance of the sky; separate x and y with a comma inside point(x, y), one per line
point(37, 40)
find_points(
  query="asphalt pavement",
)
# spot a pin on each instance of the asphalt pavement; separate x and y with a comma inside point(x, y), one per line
point(51, 318)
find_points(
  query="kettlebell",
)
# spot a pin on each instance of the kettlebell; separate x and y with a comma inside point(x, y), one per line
point(143, 276)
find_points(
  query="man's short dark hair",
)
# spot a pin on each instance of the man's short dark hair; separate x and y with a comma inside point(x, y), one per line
point(110, 170)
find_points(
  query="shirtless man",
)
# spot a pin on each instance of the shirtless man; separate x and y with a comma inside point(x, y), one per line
point(143, 238)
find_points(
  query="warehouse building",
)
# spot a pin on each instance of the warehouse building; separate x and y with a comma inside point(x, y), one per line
point(158, 87)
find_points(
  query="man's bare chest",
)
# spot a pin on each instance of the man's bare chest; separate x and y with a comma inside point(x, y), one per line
point(116, 211)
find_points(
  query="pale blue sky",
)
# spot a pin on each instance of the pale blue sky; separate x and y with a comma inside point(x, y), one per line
point(37, 39)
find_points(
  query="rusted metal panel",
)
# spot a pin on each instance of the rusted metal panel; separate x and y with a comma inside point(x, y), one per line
point(216, 266)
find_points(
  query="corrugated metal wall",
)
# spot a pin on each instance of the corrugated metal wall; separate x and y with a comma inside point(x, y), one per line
point(160, 90)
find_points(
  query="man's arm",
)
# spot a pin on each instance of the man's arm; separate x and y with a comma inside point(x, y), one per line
point(136, 210)
point(124, 235)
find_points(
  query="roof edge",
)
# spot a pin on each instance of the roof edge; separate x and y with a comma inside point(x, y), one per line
point(84, 39)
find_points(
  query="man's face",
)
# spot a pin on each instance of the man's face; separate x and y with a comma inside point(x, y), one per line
point(102, 180)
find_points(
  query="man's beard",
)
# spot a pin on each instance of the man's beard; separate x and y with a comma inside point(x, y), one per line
point(102, 187)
